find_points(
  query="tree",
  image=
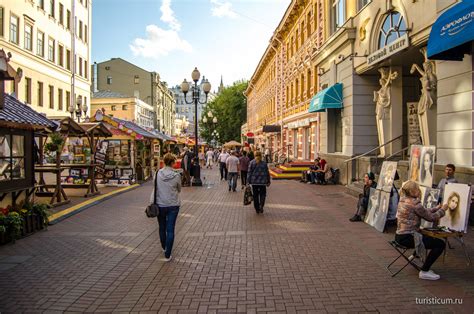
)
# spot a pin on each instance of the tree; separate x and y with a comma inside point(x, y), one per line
point(230, 108)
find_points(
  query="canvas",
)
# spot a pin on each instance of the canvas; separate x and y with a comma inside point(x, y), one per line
point(387, 175)
point(458, 198)
point(372, 206)
point(414, 165)
point(427, 159)
point(429, 199)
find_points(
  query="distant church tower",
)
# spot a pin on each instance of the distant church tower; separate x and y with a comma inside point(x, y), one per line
point(221, 87)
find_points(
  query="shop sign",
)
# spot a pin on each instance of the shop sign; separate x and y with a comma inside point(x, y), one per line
point(389, 50)
point(299, 124)
point(414, 133)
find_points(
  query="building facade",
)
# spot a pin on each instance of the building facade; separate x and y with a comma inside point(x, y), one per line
point(123, 77)
point(374, 52)
point(124, 107)
point(50, 43)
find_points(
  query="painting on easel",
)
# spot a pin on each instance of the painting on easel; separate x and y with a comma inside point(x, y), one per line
point(458, 198)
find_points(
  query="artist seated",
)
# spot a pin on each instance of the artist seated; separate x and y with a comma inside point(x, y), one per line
point(363, 203)
point(409, 214)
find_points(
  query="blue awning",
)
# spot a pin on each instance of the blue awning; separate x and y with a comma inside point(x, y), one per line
point(328, 98)
point(452, 33)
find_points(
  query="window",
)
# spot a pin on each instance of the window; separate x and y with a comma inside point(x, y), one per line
point(68, 59)
point(40, 44)
point(14, 23)
point(51, 97)
point(302, 32)
point(136, 79)
point(85, 33)
point(308, 83)
point(12, 156)
point(61, 55)
point(28, 90)
point(80, 29)
point(51, 49)
point(113, 108)
point(40, 94)
point(362, 3)
point(41, 4)
point(308, 24)
point(335, 130)
point(124, 107)
point(80, 66)
point(86, 69)
point(68, 20)
point(60, 99)
point(68, 100)
point(2, 32)
point(51, 8)
point(61, 14)
point(393, 27)
point(28, 37)
point(109, 80)
point(297, 40)
point(338, 14)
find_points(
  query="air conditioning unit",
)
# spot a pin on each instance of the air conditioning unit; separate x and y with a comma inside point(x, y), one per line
point(107, 68)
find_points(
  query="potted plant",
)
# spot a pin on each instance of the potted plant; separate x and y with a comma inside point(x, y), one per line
point(41, 213)
point(14, 225)
point(3, 229)
point(55, 142)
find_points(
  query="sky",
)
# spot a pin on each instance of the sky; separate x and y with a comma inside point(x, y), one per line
point(171, 37)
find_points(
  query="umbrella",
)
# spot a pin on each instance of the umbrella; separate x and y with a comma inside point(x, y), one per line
point(232, 144)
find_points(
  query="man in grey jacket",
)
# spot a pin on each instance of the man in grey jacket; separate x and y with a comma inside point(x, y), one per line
point(168, 187)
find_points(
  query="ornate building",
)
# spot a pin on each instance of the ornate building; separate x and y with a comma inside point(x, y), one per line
point(51, 51)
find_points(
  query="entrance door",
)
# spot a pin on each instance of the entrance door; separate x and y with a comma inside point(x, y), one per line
point(307, 144)
point(295, 144)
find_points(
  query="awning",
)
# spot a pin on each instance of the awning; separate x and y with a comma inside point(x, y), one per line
point(271, 128)
point(329, 98)
point(452, 33)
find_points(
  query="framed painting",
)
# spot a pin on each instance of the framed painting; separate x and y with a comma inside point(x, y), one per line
point(387, 175)
point(458, 198)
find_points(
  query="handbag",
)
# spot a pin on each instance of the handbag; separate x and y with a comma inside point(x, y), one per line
point(248, 196)
point(152, 210)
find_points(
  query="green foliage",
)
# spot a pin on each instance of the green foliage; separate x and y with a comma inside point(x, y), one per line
point(14, 223)
point(55, 142)
point(230, 108)
point(42, 211)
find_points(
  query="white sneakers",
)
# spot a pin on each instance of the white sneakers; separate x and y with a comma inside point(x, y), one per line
point(428, 275)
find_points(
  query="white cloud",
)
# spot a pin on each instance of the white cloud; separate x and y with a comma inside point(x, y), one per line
point(222, 9)
point(159, 42)
point(167, 15)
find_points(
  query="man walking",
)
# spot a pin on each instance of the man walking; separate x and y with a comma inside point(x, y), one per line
point(209, 156)
point(232, 165)
point(222, 166)
point(244, 168)
point(186, 166)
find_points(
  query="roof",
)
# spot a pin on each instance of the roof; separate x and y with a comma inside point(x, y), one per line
point(16, 112)
point(109, 94)
point(67, 125)
point(96, 128)
point(136, 128)
point(163, 136)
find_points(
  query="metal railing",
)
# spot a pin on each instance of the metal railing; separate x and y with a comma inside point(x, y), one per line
point(375, 149)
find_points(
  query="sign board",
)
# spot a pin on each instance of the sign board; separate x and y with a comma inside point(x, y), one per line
point(100, 156)
point(389, 50)
point(414, 133)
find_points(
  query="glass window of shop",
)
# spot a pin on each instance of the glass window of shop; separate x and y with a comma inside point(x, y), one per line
point(15, 167)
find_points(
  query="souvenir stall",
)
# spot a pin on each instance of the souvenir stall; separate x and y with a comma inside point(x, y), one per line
point(128, 153)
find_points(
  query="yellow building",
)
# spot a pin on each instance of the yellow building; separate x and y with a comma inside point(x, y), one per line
point(124, 107)
point(55, 63)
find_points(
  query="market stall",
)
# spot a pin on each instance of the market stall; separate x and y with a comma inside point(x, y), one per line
point(129, 152)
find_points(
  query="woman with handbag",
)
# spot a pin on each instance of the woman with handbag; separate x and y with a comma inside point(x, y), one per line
point(168, 187)
point(259, 178)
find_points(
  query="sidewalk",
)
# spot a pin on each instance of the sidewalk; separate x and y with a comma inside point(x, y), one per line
point(301, 255)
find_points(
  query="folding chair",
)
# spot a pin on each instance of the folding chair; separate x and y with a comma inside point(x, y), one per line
point(402, 250)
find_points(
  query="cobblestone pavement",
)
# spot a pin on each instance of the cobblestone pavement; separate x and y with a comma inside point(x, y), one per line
point(301, 255)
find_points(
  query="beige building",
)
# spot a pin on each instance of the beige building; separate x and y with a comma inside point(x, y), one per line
point(50, 41)
point(361, 83)
point(181, 125)
point(124, 107)
point(123, 77)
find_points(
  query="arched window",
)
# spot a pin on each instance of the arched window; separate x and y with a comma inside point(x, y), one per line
point(393, 27)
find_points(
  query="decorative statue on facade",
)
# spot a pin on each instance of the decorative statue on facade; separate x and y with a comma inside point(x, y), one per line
point(382, 101)
point(429, 83)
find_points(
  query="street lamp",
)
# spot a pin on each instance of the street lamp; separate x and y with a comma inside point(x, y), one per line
point(196, 91)
point(80, 108)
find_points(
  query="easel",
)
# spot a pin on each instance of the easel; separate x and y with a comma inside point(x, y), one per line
point(443, 235)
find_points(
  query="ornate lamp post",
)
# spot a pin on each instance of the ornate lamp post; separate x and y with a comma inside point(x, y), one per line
point(80, 108)
point(196, 93)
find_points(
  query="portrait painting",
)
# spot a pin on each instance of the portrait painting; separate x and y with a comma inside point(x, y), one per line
point(458, 198)
point(429, 199)
point(387, 175)
point(427, 160)
point(372, 206)
point(414, 164)
point(380, 216)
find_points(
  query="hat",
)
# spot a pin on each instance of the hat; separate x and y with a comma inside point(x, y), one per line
point(371, 176)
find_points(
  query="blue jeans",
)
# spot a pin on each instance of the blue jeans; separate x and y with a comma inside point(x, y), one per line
point(232, 180)
point(167, 220)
